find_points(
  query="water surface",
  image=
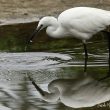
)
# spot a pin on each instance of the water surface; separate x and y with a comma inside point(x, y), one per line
point(17, 92)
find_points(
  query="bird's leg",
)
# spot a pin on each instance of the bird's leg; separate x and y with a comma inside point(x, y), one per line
point(86, 57)
point(36, 86)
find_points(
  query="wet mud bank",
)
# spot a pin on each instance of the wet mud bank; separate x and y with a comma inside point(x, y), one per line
point(13, 38)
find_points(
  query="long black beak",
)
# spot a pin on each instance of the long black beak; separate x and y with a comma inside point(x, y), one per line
point(32, 36)
point(34, 33)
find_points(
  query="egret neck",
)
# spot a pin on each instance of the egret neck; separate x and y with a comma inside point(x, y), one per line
point(55, 29)
point(52, 96)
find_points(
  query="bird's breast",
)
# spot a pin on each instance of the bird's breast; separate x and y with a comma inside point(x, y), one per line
point(60, 32)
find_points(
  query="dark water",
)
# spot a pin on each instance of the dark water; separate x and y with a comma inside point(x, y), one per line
point(18, 93)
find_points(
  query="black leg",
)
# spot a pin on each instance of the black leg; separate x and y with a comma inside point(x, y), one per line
point(86, 57)
point(36, 86)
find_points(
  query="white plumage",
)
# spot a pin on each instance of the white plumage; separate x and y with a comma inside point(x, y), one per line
point(79, 22)
point(76, 93)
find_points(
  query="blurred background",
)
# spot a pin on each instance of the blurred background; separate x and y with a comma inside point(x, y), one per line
point(46, 59)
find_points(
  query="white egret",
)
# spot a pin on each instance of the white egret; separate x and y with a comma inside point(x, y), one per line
point(76, 93)
point(79, 22)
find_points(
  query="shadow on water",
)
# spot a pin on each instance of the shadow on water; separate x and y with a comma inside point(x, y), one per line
point(59, 59)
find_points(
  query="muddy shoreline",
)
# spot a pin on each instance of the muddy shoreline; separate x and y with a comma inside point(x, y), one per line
point(19, 18)
point(26, 9)
point(14, 36)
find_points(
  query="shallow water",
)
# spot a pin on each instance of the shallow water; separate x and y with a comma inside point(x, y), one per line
point(17, 92)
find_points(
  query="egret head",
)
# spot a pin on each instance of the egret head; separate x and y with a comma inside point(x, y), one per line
point(43, 23)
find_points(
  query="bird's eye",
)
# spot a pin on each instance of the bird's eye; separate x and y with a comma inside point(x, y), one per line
point(41, 25)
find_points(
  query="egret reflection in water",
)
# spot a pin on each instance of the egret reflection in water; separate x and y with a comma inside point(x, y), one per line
point(16, 93)
point(4, 108)
point(75, 93)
